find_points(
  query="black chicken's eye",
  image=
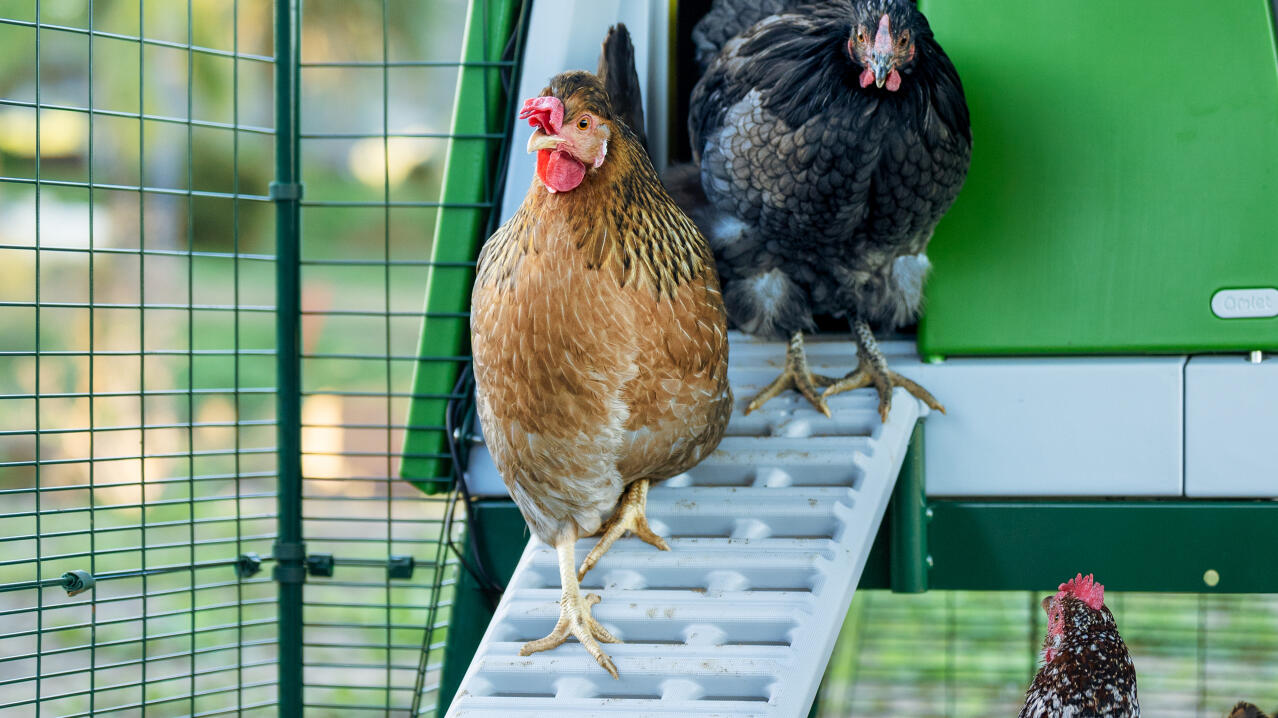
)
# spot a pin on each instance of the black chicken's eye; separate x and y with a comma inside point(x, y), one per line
point(583, 123)
point(861, 36)
point(903, 40)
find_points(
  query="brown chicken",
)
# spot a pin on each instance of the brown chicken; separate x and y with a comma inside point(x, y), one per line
point(599, 339)
point(1087, 671)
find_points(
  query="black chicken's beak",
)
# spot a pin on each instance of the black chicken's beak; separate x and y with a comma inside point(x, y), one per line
point(881, 65)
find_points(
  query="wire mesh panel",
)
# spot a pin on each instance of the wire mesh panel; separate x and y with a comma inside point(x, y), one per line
point(140, 340)
point(381, 145)
point(137, 459)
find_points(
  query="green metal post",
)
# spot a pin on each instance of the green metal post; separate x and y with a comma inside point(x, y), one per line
point(289, 552)
point(909, 553)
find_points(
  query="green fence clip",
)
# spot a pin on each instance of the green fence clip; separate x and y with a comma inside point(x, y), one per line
point(400, 567)
point(286, 191)
point(77, 582)
point(247, 565)
point(320, 564)
point(289, 562)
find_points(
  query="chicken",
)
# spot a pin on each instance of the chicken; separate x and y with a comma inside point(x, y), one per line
point(1247, 710)
point(599, 339)
point(1087, 671)
point(831, 138)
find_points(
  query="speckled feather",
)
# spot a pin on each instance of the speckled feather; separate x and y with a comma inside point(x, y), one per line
point(1247, 710)
point(1090, 675)
point(819, 185)
point(599, 336)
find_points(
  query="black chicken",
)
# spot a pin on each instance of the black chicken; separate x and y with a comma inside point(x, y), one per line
point(831, 137)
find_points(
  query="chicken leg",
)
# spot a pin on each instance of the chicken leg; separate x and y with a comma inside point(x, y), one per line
point(575, 618)
point(629, 516)
point(872, 370)
point(796, 375)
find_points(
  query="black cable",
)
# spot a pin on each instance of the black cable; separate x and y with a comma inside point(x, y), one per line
point(455, 416)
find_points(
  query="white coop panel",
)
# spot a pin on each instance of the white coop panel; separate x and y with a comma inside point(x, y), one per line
point(1231, 427)
point(1057, 426)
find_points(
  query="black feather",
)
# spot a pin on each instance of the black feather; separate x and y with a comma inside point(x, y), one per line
point(729, 18)
point(621, 79)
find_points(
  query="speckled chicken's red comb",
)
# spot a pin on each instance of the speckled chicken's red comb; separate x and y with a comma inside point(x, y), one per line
point(1085, 589)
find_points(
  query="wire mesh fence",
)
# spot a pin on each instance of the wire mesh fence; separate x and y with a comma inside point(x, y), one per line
point(138, 467)
point(378, 136)
point(139, 309)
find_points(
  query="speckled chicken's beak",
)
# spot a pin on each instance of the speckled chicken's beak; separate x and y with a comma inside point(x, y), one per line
point(542, 141)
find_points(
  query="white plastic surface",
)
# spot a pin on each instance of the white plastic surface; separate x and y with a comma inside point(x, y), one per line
point(1231, 422)
point(768, 539)
point(566, 35)
point(1054, 426)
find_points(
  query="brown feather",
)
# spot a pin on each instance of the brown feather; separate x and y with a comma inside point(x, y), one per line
point(599, 336)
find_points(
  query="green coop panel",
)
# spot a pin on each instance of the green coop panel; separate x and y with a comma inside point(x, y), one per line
point(1124, 171)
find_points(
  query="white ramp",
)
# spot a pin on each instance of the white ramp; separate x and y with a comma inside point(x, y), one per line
point(768, 538)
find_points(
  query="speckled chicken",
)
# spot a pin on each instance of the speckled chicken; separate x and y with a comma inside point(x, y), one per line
point(599, 339)
point(1247, 710)
point(831, 138)
point(1087, 671)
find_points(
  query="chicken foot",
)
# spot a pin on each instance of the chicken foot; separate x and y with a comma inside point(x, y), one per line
point(629, 516)
point(575, 618)
point(872, 370)
point(797, 376)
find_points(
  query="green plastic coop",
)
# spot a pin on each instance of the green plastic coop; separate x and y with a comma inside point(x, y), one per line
point(236, 244)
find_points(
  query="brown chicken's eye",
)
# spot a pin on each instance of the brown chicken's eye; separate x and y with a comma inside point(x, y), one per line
point(583, 123)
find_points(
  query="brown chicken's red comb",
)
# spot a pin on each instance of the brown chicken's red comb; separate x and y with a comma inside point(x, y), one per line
point(545, 112)
point(1085, 589)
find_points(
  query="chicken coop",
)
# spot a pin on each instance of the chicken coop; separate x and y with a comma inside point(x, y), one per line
point(240, 464)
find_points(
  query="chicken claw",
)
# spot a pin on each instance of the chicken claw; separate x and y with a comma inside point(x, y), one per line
point(629, 516)
point(797, 376)
point(872, 370)
point(575, 618)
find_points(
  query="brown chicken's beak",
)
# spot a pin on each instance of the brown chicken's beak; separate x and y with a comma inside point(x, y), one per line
point(542, 141)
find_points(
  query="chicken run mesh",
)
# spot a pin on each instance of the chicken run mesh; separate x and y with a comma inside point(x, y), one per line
point(205, 379)
point(164, 489)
